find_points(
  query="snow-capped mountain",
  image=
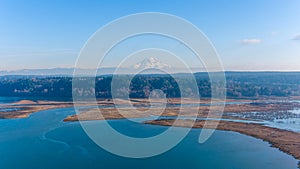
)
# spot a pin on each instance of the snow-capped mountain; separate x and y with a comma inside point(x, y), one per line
point(151, 62)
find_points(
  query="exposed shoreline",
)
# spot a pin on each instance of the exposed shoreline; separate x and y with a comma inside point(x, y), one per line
point(141, 110)
point(26, 107)
point(286, 141)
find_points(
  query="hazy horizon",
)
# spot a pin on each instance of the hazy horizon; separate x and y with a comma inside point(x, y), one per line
point(248, 35)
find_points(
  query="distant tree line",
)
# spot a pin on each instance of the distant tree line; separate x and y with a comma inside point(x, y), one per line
point(238, 84)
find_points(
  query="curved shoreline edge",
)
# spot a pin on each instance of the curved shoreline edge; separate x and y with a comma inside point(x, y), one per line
point(286, 141)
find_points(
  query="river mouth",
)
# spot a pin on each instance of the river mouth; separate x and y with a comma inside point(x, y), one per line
point(65, 145)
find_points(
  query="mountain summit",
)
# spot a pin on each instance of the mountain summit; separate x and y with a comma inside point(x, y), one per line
point(151, 62)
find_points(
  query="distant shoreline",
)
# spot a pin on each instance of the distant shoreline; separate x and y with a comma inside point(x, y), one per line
point(110, 70)
point(286, 141)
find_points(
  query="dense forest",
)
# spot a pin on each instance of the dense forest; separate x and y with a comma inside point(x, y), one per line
point(238, 85)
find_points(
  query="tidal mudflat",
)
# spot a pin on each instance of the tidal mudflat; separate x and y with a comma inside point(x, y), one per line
point(238, 115)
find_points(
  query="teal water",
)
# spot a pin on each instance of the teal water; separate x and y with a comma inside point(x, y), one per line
point(43, 141)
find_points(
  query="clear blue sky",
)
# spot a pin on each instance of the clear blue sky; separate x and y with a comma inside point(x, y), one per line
point(248, 34)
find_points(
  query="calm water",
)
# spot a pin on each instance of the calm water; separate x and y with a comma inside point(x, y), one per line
point(9, 99)
point(43, 141)
point(286, 120)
